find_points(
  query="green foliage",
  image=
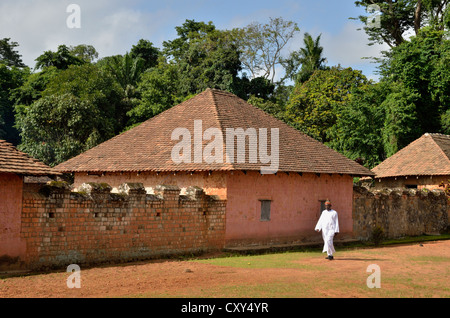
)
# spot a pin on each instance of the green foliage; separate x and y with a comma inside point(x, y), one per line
point(125, 69)
point(302, 64)
point(56, 128)
point(401, 125)
point(205, 58)
point(397, 17)
point(84, 52)
point(69, 104)
point(261, 45)
point(145, 50)
point(158, 89)
point(358, 130)
point(315, 105)
point(60, 59)
point(422, 66)
point(10, 79)
point(8, 55)
point(79, 108)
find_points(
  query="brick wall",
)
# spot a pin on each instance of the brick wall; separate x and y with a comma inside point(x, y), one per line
point(92, 226)
point(400, 212)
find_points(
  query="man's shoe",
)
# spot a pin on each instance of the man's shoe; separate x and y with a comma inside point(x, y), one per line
point(329, 257)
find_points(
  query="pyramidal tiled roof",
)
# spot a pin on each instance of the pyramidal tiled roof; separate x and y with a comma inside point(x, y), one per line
point(426, 156)
point(15, 161)
point(148, 147)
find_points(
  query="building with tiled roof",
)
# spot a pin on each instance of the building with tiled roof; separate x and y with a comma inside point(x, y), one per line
point(14, 167)
point(425, 163)
point(17, 162)
point(274, 186)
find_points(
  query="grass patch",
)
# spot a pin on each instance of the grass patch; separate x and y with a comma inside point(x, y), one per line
point(275, 260)
point(433, 259)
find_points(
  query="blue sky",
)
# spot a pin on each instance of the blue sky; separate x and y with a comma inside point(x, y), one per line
point(113, 26)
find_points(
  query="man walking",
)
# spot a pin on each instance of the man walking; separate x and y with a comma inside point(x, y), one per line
point(329, 225)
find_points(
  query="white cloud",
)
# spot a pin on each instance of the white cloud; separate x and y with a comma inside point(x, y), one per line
point(110, 26)
point(349, 46)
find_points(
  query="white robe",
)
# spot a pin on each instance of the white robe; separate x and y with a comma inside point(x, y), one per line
point(329, 225)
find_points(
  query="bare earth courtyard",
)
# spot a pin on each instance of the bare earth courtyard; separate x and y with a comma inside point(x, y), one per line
point(413, 270)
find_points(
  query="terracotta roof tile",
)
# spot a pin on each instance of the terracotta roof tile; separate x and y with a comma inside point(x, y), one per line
point(148, 147)
point(426, 156)
point(15, 161)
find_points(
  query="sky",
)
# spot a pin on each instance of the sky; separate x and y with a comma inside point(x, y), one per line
point(114, 26)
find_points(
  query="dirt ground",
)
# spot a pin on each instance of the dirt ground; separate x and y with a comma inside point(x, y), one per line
point(414, 270)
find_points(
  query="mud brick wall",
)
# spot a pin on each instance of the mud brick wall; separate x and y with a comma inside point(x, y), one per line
point(94, 226)
point(399, 212)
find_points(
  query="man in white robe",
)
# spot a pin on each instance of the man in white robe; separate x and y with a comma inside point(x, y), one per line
point(329, 225)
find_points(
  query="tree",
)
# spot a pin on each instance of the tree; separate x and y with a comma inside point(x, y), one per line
point(11, 78)
point(422, 66)
point(60, 59)
point(398, 17)
point(401, 126)
point(303, 63)
point(359, 126)
point(158, 89)
point(80, 107)
point(145, 50)
point(8, 55)
point(261, 45)
point(125, 69)
point(205, 58)
point(84, 52)
point(315, 105)
point(58, 127)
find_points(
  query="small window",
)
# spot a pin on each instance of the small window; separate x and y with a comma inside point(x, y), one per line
point(322, 206)
point(265, 210)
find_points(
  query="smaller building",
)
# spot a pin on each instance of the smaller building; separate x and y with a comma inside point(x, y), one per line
point(15, 166)
point(425, 163)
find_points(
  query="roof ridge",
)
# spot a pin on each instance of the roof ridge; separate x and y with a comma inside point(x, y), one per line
point(214, 91)
point(440, 148)
point(437, 134)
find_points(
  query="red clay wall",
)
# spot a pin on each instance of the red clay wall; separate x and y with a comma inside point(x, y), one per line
point(295, 207)
point(11, 245)
point(62, 228)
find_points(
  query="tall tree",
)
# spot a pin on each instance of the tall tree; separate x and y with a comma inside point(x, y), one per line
point(358, 133)
point(61, 59)
point(303, 63)
point(8, 53)
point(205, 58)
point(11, 78)
point(422, 65)
point(79, 108)
point(314, 106)
point(84, 52)
point(401, 125)
point(158, 91)
point(262, 45)
point(145, 50)
point(396, 17)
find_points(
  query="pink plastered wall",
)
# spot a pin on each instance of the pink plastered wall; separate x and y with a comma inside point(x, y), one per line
point(11, 189)
point(295, 206)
